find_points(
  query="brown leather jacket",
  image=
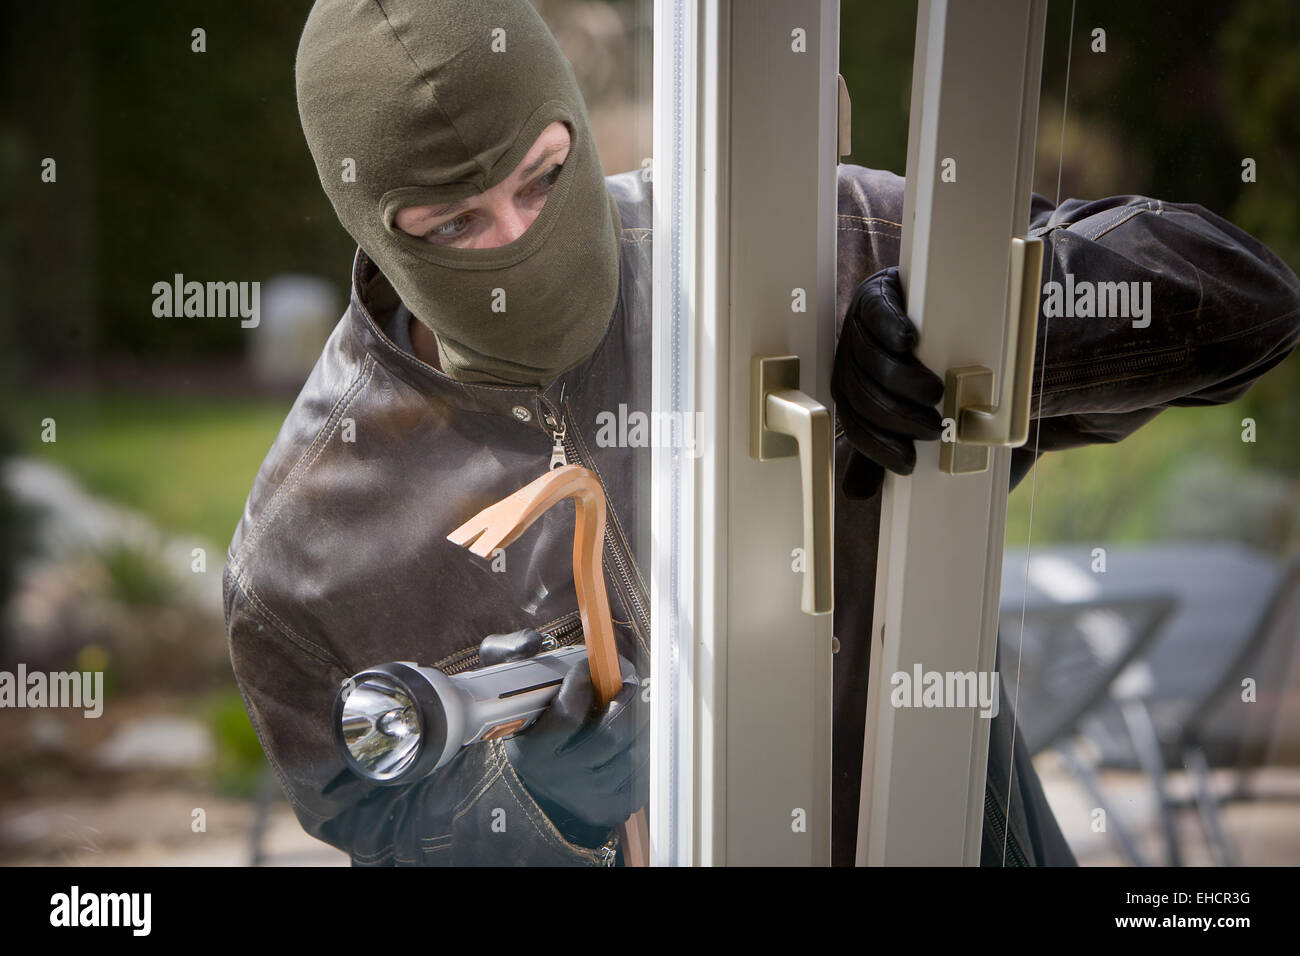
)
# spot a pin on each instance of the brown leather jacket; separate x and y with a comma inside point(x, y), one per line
point(340, 560)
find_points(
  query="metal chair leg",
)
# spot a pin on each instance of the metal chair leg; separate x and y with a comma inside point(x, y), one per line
point(1198, 767)
point(1115, 826)
point(1146, 742)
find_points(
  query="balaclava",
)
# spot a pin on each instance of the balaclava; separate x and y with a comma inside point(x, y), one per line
point(421, 102)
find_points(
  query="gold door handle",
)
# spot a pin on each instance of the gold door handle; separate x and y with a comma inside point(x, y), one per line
point(984, 422)
point(786, 423)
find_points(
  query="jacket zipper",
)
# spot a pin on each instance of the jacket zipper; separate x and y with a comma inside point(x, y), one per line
point(609, 850)
point(636, 602)
point(563, 452)
point(997, 819)
point(566, 631)
point(559, 457)
point(1170, 357)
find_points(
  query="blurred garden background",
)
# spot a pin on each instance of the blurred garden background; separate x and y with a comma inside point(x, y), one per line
point(173, 161)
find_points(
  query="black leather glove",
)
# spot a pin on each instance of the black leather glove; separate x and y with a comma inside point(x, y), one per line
point(584, 765)
point(884, 396)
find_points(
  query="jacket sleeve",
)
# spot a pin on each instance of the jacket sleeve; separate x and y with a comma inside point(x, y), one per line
point(473, 812)
point(1222, 311)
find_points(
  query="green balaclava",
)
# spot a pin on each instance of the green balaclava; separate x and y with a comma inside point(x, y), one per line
point(422, 102)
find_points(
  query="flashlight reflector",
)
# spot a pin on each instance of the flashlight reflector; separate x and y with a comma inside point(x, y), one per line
point(381, 727)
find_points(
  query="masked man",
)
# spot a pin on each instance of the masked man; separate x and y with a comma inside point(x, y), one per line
point(500, 302)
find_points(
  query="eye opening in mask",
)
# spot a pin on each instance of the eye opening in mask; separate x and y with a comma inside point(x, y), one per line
point(526, 243)
point(515, 202)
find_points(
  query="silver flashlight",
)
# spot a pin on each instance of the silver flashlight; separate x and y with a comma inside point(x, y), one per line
point(399, 722)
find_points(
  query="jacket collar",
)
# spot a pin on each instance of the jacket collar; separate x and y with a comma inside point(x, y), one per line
point(371, 305)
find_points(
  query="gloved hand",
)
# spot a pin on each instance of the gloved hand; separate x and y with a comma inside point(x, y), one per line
point(591, 763)
point(884, 396)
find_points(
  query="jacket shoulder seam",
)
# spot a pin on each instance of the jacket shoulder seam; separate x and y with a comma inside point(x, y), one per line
point(259, 607)
point(1125, 213)
point(1118, 217)
point(304, 463)
point(300, 809)
point(878, 219)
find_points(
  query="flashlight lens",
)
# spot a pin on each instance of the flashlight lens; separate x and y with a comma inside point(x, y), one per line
point(381, 727)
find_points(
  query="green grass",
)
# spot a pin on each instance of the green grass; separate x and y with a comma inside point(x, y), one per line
point(1129, 491)
point(240, 762)
point(187, 462)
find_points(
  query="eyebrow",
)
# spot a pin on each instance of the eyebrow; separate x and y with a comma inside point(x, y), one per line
point(528, 171)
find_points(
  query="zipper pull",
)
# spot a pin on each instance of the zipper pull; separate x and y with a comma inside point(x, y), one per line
point(558, 458)
point(609, 852)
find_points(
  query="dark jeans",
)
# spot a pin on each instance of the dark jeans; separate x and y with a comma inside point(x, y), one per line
point(1032, 838)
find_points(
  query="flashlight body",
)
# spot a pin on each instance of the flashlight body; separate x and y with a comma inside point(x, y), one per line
point(453, 711)
point(499, 701)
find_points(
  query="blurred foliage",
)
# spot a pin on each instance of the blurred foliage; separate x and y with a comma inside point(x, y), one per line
point(1182, 94)
point(174, 161)
point(137, 577)
point(240, 762)
point(1188, 474)
point(876, 41)
point(186, 462)
point(16, 537)
point(169, 161)
point(1259, 49)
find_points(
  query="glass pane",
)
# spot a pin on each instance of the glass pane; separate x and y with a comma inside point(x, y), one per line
point(1149, 594)
point(336, 285)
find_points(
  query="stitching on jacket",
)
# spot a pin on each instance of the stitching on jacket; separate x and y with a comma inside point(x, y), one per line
point(373, 859)
point(273, 621)
point(888, 222)
point(376, 855)
point(282, 494)
point(491, 769)
point(613, 514)
point(1107, 220)
point(618, 528)
point(1124, 214)
point(545, 827)
point(1173, 350)
point(1250, 331)
point(289, 791)
point(1051, 224)
point(319, 442)
point(255, 599)
point(867, 230)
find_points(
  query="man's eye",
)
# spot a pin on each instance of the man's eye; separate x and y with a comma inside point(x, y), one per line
point(447, 230)
point(544, 182)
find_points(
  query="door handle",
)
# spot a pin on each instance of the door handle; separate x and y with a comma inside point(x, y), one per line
point(982, 421)
point(786, 423)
